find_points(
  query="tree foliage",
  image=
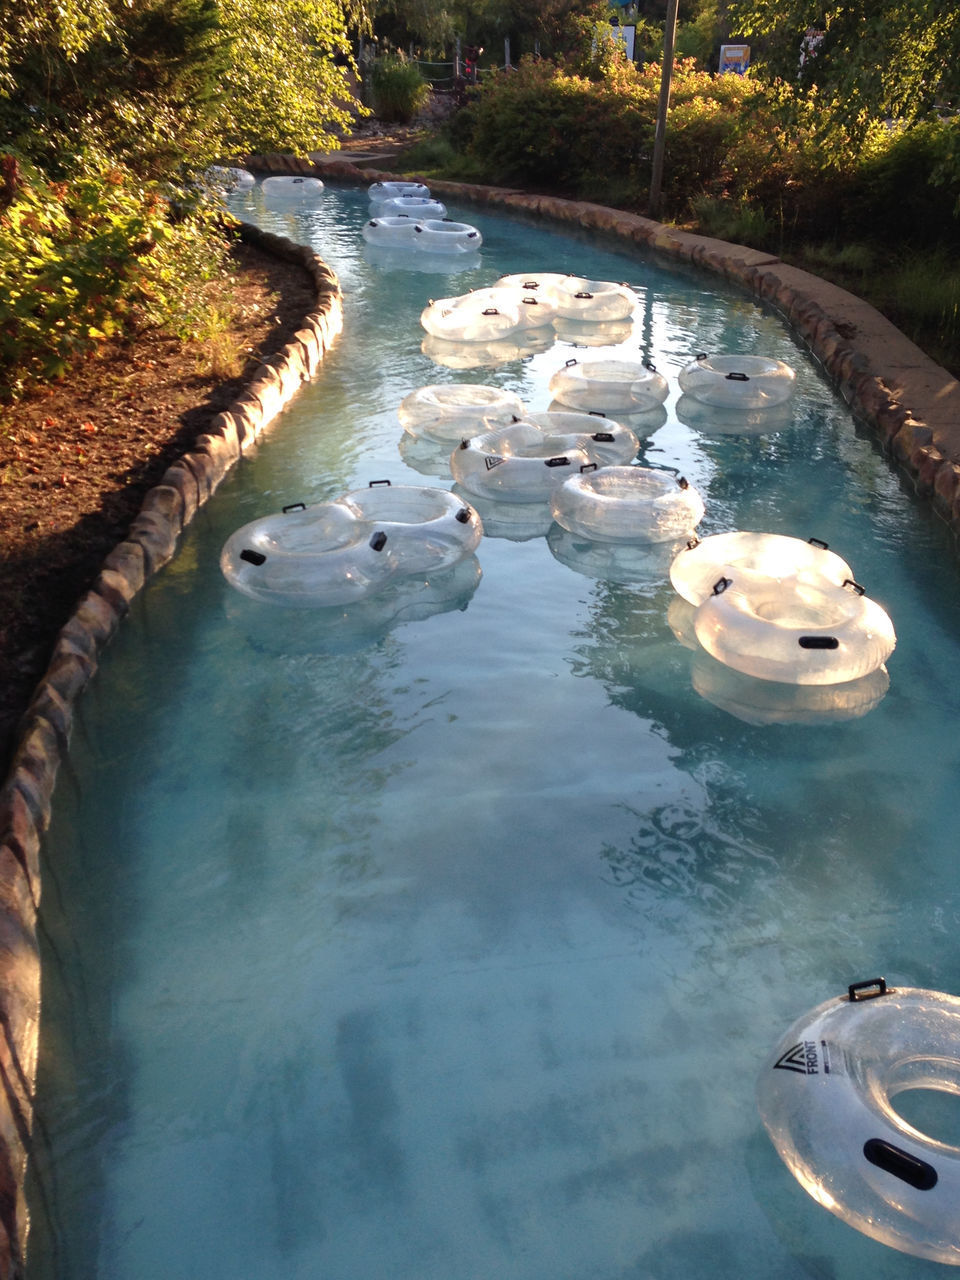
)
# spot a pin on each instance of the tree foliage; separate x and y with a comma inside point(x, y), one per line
point(547, 22)
point(875, 59)
point(108, 109)
point(160, 82)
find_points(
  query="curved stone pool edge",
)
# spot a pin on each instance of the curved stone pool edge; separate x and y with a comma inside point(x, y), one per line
point(912, 404)
point(25, 796)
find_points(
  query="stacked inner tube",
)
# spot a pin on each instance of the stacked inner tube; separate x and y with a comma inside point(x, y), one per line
point(343, 551)
point(780, 609)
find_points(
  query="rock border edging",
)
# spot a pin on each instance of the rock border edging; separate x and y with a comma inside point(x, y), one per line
point(25, 796)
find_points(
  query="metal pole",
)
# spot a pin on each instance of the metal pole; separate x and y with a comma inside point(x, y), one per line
point(659, 137)
point(506, 51)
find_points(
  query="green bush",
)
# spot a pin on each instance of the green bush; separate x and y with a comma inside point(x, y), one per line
point(923, 298)
point(734, 220)
point(399, 90)
point(909, 181)
point(544, 126)
point(93, 257)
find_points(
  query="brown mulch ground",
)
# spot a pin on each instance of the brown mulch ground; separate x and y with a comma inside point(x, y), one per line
point(77, 458)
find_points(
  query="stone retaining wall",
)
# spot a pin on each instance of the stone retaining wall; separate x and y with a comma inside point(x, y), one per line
point(45, 729)
point(911, 403)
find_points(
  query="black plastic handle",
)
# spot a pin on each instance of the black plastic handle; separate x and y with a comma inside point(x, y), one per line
point(902, 1164)
point(867, 990)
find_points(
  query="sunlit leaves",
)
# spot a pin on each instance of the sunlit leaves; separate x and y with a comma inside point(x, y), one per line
point(873, 61)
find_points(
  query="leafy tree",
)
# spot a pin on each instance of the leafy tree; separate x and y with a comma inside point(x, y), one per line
point(549, 22)
point(146, 91)
point(107, 107)
point(287, 86)
point(158, 82)
point(431, 25)
point(876, 59)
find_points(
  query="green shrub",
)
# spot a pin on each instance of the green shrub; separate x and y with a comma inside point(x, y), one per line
point(923, 294)
point(544, 126)
point(909, 181)
point(853, 259)
point(737, 221)
point(93, 257)
point(399, 90)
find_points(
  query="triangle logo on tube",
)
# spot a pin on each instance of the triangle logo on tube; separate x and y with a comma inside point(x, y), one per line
point(801, 1057)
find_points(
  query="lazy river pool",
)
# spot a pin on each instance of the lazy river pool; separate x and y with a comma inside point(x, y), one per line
point(449, 944)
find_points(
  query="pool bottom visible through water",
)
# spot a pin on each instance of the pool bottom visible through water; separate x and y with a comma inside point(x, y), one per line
point(448, 941)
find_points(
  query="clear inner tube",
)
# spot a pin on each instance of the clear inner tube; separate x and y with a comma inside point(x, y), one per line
point(291, 187)
point(472, 317)
point(380, 191)
point(803, 630)
point(418, 207)
point(578, 298)
point(440, 235)
point(609, 386)
point(828, 1097)
point(341, 551)
point(394, 231)
point(698, 567)
point(627, 504)
point(731, 382)
point(524, 462)
point(450, 411)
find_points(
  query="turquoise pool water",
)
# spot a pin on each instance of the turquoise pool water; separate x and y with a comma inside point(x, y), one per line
point(450, 946)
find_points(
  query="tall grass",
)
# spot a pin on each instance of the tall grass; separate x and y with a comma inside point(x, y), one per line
point(399, 90)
